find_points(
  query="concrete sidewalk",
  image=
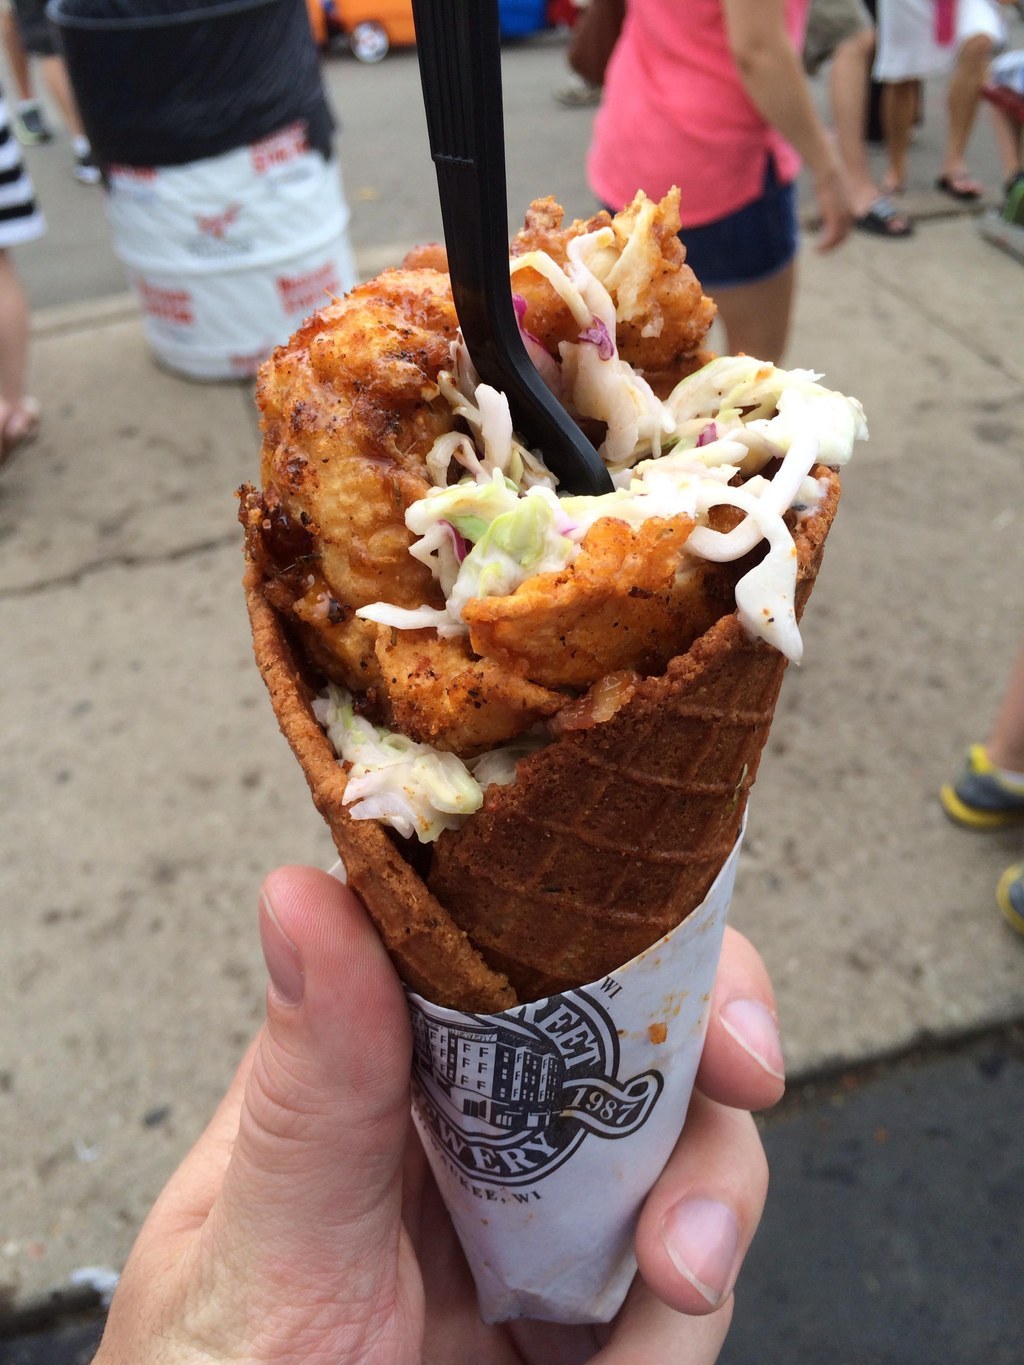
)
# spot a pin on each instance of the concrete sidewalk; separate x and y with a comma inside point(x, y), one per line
point(146, 789)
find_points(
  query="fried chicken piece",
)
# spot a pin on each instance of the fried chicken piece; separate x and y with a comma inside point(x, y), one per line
point(435, 691)
point(662, 314)
point(427, 256)
point(631, 600)
point(349, 410)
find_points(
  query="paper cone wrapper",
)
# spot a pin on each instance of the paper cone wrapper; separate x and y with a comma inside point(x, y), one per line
point(547, 1124)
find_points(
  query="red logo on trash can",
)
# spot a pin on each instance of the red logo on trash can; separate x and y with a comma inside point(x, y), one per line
point(136, 174)
point(250, 363)
point(300, 293)
point(169, 305)
point(217, 224)
point(279, 148)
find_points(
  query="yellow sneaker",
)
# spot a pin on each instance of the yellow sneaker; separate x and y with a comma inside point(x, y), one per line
point(1010, 896)
point(980, 798)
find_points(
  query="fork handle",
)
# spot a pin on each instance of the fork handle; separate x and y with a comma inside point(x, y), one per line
point(459, 53)
point(459, 50)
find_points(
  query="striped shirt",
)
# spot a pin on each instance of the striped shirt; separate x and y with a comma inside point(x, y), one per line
point(20, 217)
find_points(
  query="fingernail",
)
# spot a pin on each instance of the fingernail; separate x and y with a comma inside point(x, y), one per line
point(754, 1028)
point(702, 1238)
point(287, 980)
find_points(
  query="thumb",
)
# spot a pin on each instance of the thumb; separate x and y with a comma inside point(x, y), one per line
point(314, 1178)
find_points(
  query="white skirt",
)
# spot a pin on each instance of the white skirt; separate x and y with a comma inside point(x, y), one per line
point(909, 45)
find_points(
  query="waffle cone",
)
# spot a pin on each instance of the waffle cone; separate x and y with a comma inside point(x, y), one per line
point(606, 840)
point(433, 955)
point(610, 837)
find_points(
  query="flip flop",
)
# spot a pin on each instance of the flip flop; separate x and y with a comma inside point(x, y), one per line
point(959, 186)
point(20, 429)
point(883, 219)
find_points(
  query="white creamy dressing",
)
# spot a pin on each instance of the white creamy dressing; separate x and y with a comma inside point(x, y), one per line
point(667, 458)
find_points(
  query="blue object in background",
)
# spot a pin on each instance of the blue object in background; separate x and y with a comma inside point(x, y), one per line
point(520, 18)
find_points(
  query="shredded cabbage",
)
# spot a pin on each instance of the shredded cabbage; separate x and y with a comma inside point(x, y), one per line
point(557, 278)
point(497, 767)
point(748, 399)
point(486, 413)
point(410, 786)
point(512, 538)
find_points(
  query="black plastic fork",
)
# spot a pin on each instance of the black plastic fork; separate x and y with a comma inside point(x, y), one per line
point(458, 43)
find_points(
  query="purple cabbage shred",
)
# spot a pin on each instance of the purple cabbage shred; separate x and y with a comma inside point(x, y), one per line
point(597, 333)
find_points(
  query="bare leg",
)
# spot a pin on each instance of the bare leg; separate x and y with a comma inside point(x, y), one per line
point(14, 321)
point(1008, 142)
point(55, 75)
point(1005, 746)
point(756, 316)
point(962, 100)
point(898, 109)
point(17, 57)
point(848, 90)
point(849, 75)
point(18, 415)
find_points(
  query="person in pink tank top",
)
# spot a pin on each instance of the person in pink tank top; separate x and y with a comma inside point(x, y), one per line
point(710, 95)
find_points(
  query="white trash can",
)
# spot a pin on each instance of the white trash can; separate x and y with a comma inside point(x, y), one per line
point(211, 124)
point(228, 255)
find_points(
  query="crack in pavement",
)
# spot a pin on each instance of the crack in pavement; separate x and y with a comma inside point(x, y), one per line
point(75, 577)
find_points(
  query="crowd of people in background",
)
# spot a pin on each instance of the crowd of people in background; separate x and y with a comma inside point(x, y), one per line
point(878, 53)
point(895, 48)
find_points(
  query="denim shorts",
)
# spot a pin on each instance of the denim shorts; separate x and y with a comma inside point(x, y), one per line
point(754, 243)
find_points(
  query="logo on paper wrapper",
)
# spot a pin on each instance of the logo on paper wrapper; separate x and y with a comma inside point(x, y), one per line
point(139, 175)
point(508, 1100)
point(249, 363)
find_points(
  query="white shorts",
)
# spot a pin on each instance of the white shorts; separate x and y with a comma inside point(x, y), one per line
point(908, 43)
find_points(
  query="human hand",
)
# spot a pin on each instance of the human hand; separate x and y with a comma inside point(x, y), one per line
point(834, 207)
point(304, 1226)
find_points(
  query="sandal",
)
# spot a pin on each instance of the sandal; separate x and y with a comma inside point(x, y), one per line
point(959, 185)
point(884, 220)
point(20, 429)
